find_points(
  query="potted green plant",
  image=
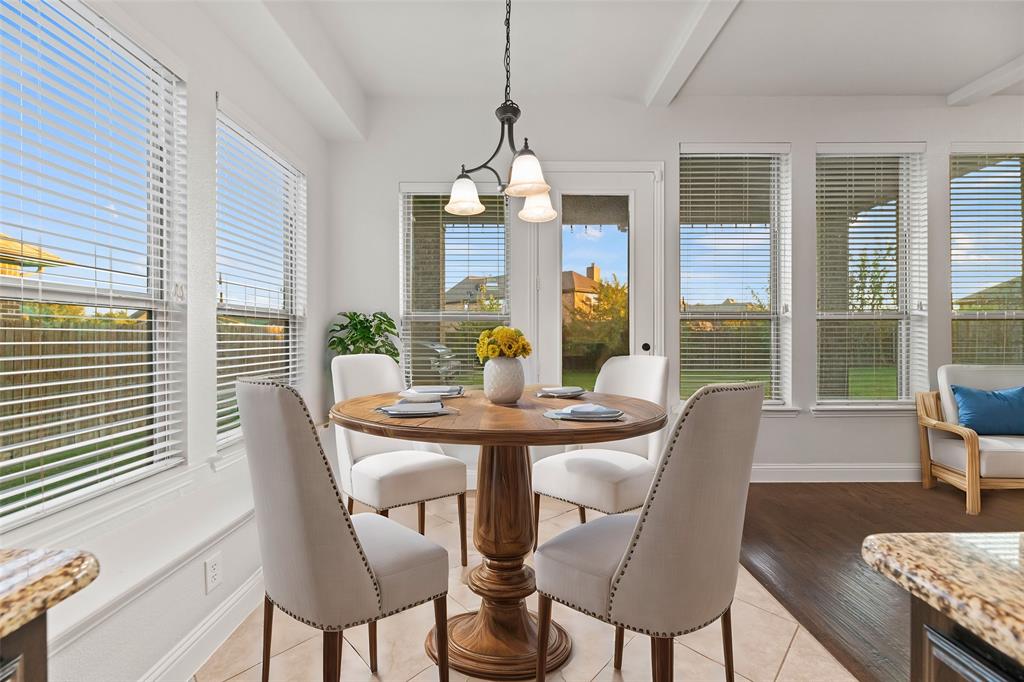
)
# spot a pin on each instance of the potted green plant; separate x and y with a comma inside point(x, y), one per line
point(362, 333)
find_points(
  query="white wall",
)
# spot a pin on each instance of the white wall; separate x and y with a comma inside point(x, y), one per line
point(425, 140)
point(148, 613)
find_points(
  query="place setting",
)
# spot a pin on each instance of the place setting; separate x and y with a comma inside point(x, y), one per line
point(423, 401)
point(586, 412)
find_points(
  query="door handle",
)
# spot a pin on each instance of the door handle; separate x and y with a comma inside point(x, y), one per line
point(645, 346)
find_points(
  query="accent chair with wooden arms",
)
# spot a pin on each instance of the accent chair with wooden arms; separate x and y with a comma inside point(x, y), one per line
point(956, 454)
point(608, 477)
point(671, 569)
point(320, 565)
point(384, 473)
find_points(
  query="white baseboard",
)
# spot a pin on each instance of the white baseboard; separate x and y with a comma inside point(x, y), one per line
point(835, 472)
point(182, 661)
point(814, 473)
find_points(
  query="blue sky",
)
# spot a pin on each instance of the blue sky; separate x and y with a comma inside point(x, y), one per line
point(605, 245)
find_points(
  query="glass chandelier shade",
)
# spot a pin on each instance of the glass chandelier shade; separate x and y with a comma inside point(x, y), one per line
point(537, 209)
point(526, 178)
point(464, 199)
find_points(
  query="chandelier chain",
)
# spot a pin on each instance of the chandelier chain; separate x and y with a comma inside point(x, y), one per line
point(508, 50)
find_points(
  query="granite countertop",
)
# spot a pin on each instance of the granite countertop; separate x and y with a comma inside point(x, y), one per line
point(976, 579)
point(35, 580)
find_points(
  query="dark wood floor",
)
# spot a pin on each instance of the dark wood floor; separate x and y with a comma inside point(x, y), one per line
point(802, 542)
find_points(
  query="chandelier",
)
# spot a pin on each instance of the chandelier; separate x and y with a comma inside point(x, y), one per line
point(525, 177)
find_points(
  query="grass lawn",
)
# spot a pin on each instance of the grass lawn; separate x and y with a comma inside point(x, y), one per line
point(579, 377)
point(878, 383)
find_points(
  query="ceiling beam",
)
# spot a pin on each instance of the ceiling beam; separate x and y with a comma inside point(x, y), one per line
point(992, 82)
point(708, 20)
point(290, 46)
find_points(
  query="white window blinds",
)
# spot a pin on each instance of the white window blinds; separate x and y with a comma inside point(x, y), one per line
point(986, 210)
point(454, 285)
point(872, 276)
point(734, 255)
point(91, 260)
point(261, 268)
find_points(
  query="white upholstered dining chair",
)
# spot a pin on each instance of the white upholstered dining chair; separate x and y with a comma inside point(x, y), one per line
point(384, 473)
point(608, 477)
point(671, 569)
point(321, 565)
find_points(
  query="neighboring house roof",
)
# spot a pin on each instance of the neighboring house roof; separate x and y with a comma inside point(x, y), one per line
point(995, 296)
point(729, 305)
point(575, 283)
point(469, 289)
point(18, 253)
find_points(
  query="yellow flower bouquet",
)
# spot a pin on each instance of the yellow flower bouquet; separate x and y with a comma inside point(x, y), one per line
point(502, 342)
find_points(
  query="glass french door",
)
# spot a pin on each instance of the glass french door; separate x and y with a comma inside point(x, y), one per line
point(596, 274)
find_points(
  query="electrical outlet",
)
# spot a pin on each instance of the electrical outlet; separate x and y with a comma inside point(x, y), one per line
point(213, 572)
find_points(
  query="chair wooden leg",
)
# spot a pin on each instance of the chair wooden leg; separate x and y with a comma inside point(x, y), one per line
point(372, 632)
point(421, 517)
point(351, 504)
point(536, 520)
point(654, 658)
point(441, 635)
point(384, 512)
point(543, 633)
point(462, 527)
point(663, 655)
point(583, 514)
point(617, 661)
point(332, 656)
point(927, 480)
point(730, 671)
point(268, 627)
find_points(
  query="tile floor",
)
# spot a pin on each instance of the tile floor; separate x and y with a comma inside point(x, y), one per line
point(769, 644)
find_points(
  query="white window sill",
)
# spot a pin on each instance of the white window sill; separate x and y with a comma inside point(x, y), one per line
point(893, 409)
point(780, 411)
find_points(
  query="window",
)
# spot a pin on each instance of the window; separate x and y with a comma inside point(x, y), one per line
point(91, 260)
point(986, 208)
point(454, 285)
point(872, 276)
point(261, 268)
point(734, 255)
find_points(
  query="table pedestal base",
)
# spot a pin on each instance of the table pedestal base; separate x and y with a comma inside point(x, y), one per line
point(499, 641)
point(483, 646)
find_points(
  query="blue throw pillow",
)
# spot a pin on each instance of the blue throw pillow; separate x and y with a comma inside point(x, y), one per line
point(991, 413)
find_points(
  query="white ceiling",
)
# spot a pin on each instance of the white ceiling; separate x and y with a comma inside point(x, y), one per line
point(558, 47)
point(616, 47)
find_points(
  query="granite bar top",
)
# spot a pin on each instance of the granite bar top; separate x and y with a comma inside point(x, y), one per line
point(976, 579)
point(33, 581)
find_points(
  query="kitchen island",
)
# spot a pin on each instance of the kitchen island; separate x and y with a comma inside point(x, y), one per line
point(32, 581)
point(967, 600)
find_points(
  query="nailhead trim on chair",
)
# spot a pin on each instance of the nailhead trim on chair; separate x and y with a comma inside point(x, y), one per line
point(348, 522)
point(708, 390)
point(405, 504)
point(587, 506)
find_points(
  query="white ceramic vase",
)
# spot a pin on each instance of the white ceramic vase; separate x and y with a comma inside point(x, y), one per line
point(503, 380)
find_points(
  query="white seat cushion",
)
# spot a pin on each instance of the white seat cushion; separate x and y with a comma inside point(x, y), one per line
point(1001, 456)
point(392, 479)
point(577, 566)
point(605, 480)
point(409, 568)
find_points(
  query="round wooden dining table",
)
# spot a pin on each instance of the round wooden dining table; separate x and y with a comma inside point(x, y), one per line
point(499, 641)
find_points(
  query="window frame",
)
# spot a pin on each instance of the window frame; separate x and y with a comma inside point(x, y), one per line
point(780, 231)
point(164, 297)
point(293, 298)
point(995, 314)
point(910, 312)
point(406, 315)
